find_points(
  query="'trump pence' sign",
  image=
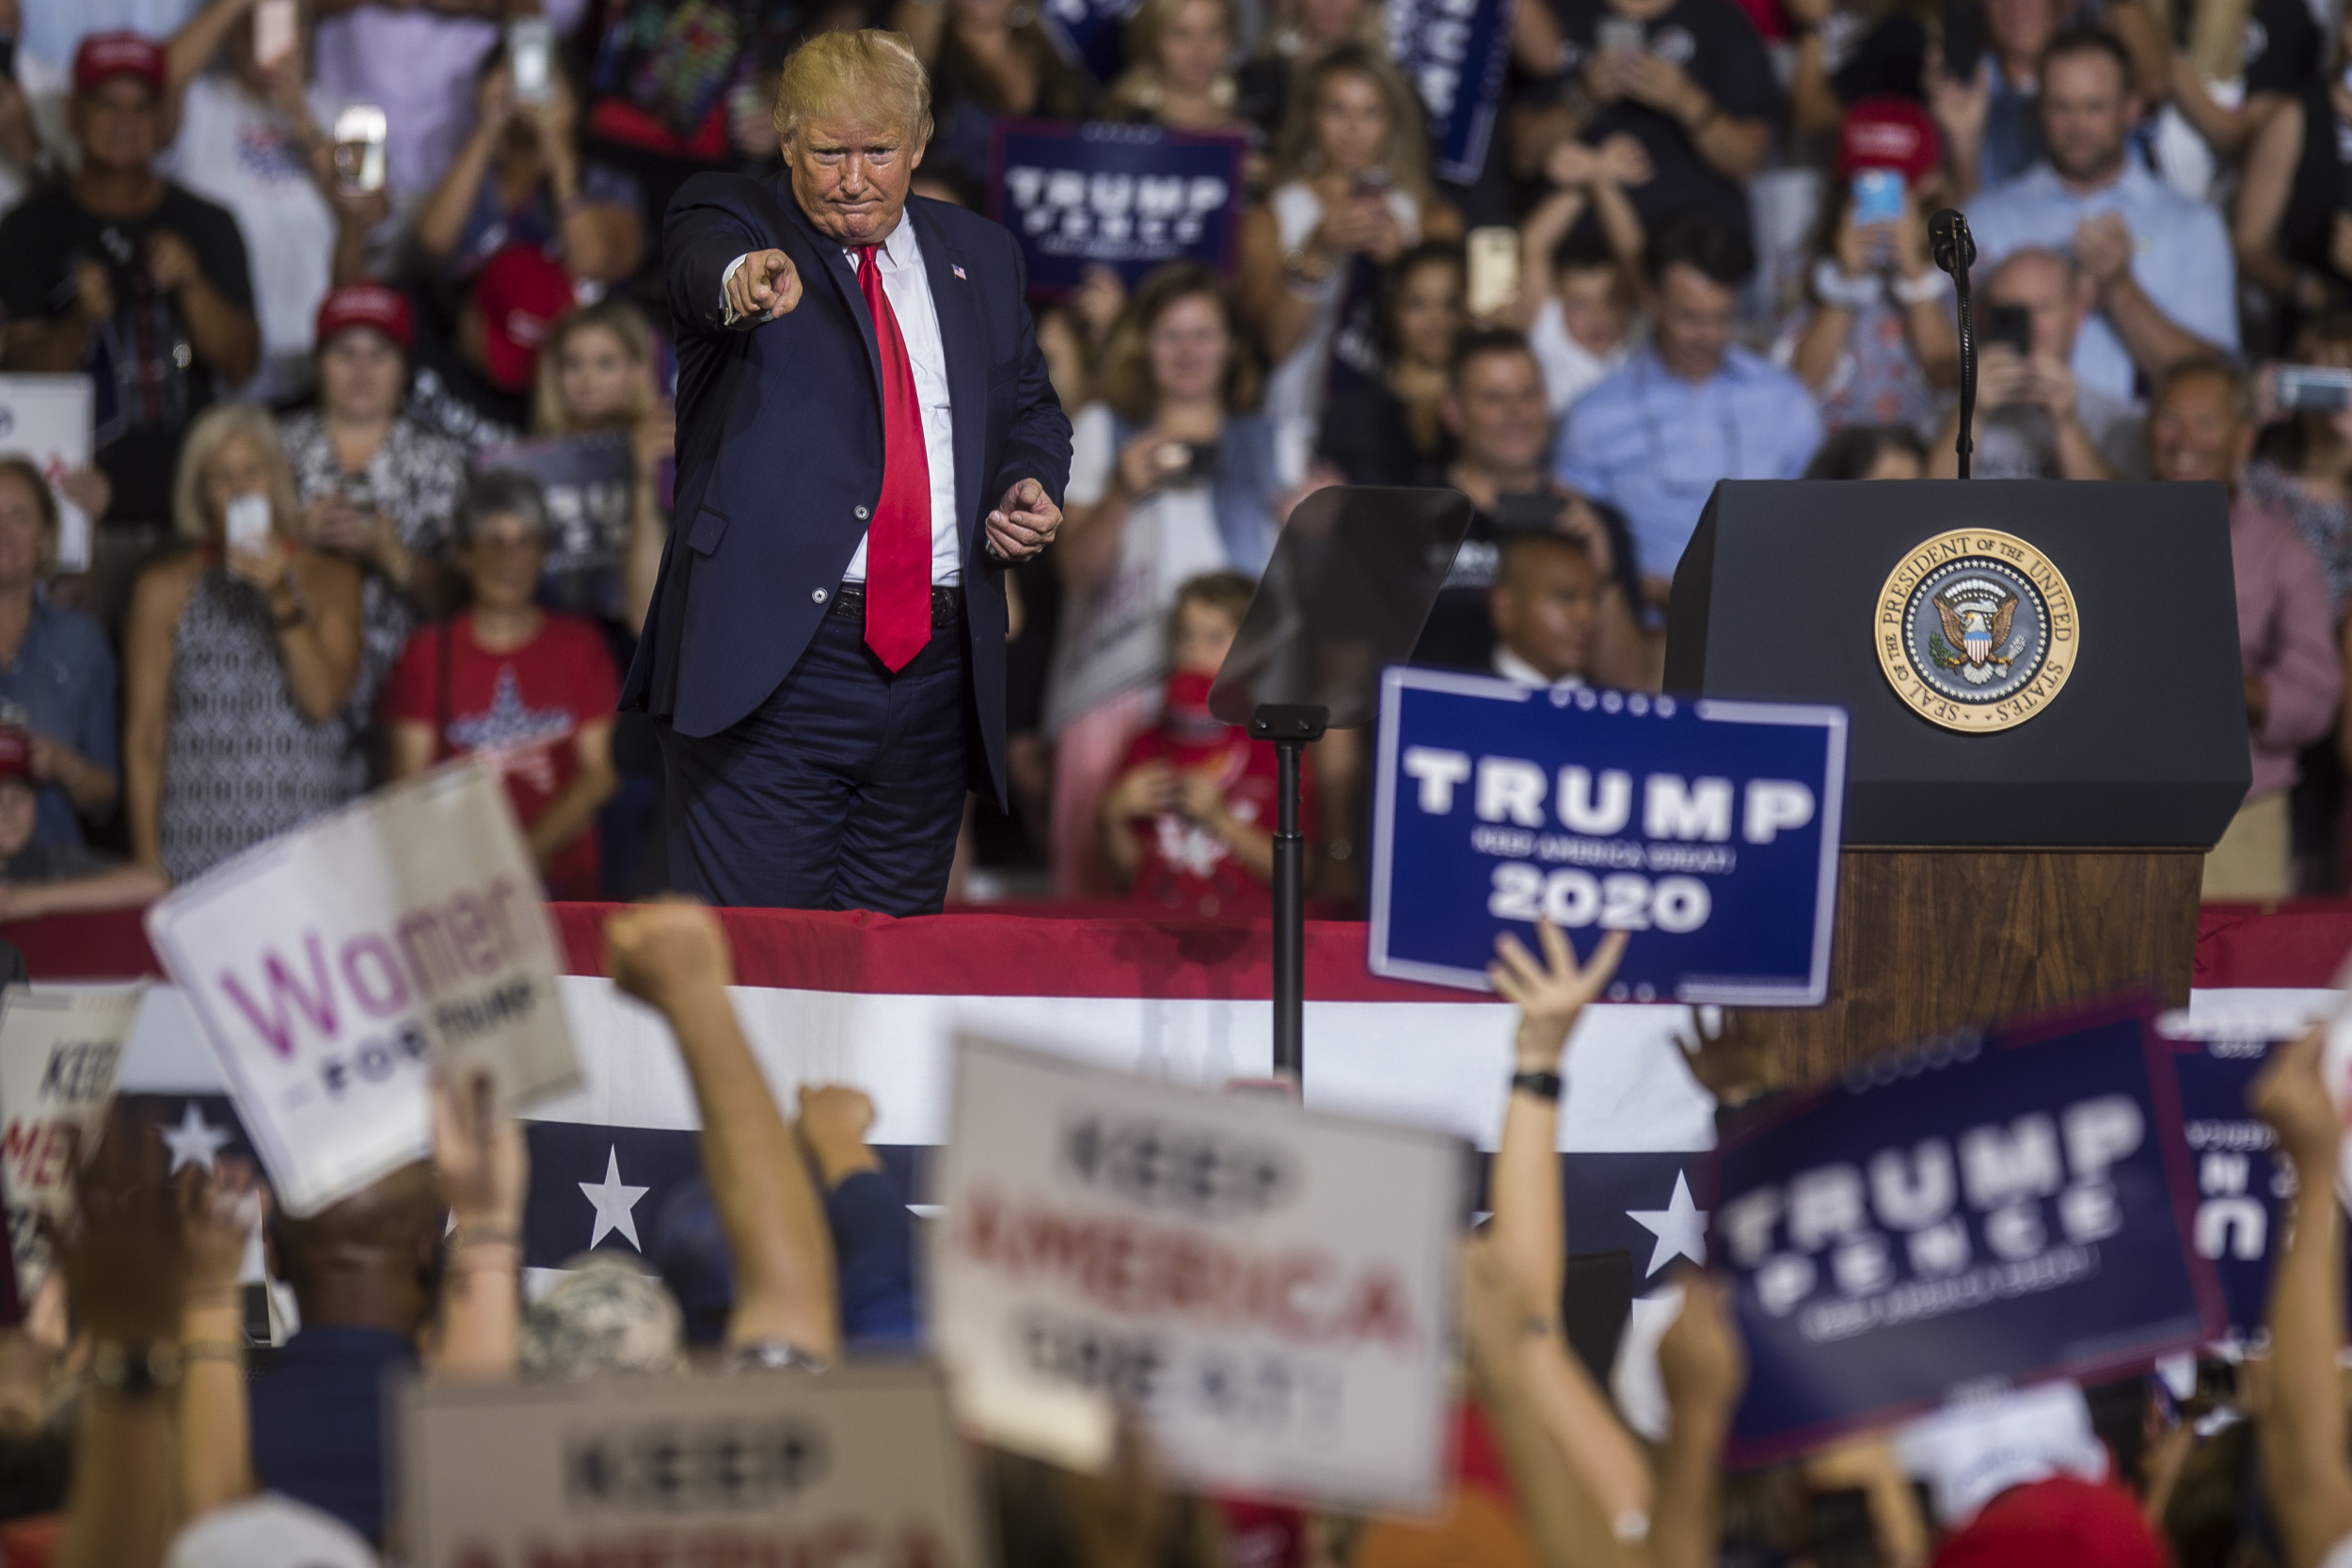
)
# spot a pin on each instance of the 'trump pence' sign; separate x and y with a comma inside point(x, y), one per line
point(1976, 1214)
point(1268, 1288)
point(58, 1052)
point(859, 1466)
point(1707, 828)
point(330, 966)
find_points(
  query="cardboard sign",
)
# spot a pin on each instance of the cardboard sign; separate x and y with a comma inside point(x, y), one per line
point(330, 966)
point(1125, 196)
point(587, 481)
point(58, 1053)
point(47, 418)
point(1707, 828)
point(858, 1465)
point(1972, 1215)
point(1453, 51)
point(1268, 1288)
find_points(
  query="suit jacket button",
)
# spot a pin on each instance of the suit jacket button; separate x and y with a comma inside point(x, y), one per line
point(818, 597)
point(861, 514)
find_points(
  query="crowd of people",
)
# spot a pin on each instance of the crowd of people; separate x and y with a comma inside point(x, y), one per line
point(144, 1422)
point(323, 280)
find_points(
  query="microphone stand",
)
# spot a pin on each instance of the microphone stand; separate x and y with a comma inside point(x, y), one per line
point(1966, 443)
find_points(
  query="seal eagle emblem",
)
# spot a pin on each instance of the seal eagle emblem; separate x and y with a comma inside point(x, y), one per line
point(1976, 631)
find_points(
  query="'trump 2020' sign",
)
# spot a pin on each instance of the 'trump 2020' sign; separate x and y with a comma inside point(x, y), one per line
point(1124, 196)
point(329, 967)
point(1709, 829)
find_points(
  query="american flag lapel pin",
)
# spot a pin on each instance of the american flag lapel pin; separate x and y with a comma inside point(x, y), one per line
point(957, 270)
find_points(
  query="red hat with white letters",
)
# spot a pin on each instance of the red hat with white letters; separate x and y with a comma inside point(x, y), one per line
point(105, 55)
point(1888, 132)
point(369, 304)
point(520, 293)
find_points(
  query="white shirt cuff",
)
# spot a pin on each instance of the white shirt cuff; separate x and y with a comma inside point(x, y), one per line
point(727, 314)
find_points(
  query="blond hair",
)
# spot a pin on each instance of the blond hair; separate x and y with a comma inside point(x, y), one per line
point(861, 70)
point(1141, 89)
point(548, 416)
point(212, 430)
point(1296, 152)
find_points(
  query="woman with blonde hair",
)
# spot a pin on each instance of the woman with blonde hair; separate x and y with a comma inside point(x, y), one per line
point(238, 658)
point(1351, 195)
point(596, 375)
point(1180, 70)
point(1173, 473)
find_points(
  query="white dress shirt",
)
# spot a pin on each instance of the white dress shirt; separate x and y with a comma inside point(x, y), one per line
point(908, 286)
point(1511, 667)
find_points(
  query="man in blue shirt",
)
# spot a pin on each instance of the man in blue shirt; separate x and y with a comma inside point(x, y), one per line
point(1688, 409)
point(2163, 280)
point(56, 674)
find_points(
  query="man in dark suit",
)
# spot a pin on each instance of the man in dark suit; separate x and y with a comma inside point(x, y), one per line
point(866, 439)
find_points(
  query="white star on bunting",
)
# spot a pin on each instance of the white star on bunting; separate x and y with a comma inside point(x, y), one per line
point(195, 1141)
point(1680, 1228)
point(615, 1202)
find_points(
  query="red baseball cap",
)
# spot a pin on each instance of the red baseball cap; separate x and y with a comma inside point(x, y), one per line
point(104, 54)
point(1889, 132)
point(520, 293)
point(16, 754)
point(369, 304)
point(2058, 1523)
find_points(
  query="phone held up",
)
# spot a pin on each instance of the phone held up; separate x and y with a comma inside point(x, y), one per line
point(2312, 389)
point(531, 58)
point(359, 151)
point(245, 524)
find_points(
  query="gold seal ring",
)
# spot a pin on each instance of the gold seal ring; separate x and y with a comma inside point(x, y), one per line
point(1976, 631)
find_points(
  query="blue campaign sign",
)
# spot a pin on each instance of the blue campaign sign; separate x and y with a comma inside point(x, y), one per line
point(1125, 196)
point(2242, 1184)
point(1969, 1215)
point(1453, 51)
point(1707, 828)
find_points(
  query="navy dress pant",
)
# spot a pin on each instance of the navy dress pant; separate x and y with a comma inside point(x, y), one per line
point(844, 790)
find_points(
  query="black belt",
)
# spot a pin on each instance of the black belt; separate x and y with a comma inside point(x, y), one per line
point(848, 600)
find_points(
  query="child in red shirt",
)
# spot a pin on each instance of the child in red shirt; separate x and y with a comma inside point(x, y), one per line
point(533, 692)
point(1189, 824)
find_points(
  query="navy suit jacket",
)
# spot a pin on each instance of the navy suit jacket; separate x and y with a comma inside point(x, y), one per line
point(780, 448)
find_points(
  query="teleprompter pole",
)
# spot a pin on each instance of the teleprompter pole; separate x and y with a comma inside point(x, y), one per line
point(1292, 728)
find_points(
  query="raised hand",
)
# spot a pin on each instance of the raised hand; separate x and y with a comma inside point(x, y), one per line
point(668, 952)
point(480, 1162)
point(1550, 995)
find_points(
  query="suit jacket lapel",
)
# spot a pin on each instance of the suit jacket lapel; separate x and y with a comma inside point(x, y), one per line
point(964, 337)
point(835, 262)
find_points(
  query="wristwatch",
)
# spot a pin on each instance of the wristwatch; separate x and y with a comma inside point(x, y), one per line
point(1542, 1086)
point(134, 1371)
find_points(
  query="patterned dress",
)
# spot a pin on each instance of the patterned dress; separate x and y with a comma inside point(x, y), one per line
point(241, 763)
point(417, 479)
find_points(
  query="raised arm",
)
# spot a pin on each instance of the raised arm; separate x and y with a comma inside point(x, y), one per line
point(482, 1169)
point(701, 236)
point(673, 954)
point(218, 1209)
point(2309, 1480)
point(1704, 1368)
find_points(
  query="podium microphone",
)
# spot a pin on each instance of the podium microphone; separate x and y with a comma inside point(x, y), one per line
point(1955, 250)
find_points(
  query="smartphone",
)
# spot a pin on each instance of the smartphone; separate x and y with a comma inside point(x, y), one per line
point(1620, 35)
point(360, 146)
point(2008, 324)
point(247, 523)
point(1529, 512)
point(1963, 38)
point(276, 25)
point(1494, 271)
point(7, 57)
point(1371, 182)
point(531, 58)
point(2318, 389)
point(1878, 196)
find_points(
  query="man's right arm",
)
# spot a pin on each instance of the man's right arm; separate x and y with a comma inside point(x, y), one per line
point(702, 238)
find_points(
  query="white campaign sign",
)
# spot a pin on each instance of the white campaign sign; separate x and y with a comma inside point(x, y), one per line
point(47, 418)
point(1270, 1289)
point(859, 1465)
point(331, 966)
point(58, 1052)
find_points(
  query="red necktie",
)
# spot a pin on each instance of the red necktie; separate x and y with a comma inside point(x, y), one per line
point(898, 541)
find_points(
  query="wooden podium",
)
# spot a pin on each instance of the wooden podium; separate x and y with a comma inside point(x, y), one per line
point(2006, 869)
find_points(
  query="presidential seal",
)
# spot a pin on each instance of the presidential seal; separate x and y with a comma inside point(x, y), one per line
point(1976, 631)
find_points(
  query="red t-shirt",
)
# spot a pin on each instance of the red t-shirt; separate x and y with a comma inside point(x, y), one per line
point(1186, 868)
point(522, 707)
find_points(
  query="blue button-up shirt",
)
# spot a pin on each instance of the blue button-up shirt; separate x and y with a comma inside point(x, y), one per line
point(1653, 445)
point(64, 677)
point(2013, 130)
point(2180, 257)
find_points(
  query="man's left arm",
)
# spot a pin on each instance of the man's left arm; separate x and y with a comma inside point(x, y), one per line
point(2304, 679)
point(207, 274)
point(2203, 320)
point(1034, 466)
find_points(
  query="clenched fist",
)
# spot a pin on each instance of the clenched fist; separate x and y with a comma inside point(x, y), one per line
point(766, 286)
